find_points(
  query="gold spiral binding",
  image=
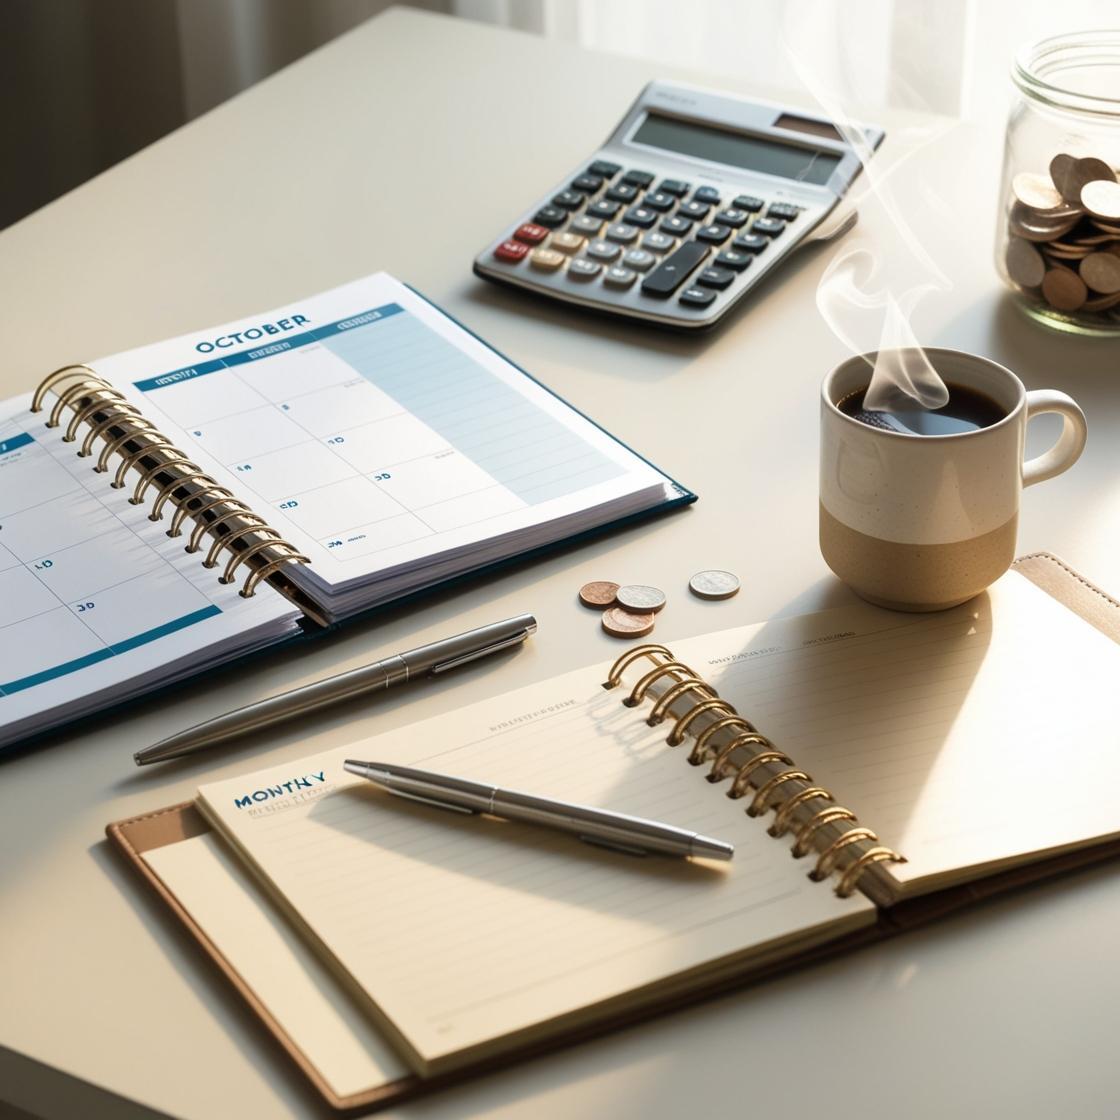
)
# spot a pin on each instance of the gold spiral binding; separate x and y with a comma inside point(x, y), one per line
point(783, 815)
point(125, 432)
point(699, 753)
point(801, 843)
point(667, 699)
point(183, 510)
point(786, 791)
point(651, 651)
point(117, 412)
point(637, 694)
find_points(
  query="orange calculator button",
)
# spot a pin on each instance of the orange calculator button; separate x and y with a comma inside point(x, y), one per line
point(530, 233)
point(511, 251)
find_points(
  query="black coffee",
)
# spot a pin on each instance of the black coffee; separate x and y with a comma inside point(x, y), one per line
point(966, 411)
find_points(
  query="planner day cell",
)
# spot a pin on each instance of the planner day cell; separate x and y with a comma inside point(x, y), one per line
point(44, 642)
point(470, 508)
point(329, 510)
point(45, 529)
point(257, 432)
point(361, 540)
point(291, 472)
point(199, 400)
point(373, 448)
point(22, 595)
point(339, 408)
point(32, 478)
point(281, 377)
point(90, 566)
point(448, 474)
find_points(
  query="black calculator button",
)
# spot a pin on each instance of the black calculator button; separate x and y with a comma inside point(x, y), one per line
point(674, 270)
point(604, 168)
point(769, 226)
point(658, 242)
point(589, 227)
point(568, 200)
point(675, 226)
point(749, 202)
point(733, 258)
point(713, 235)
point(674, 186)
point(580, 269)
point(550, 216)
point(638, 178)
point(589, 184)
point(708, 195)
point(719, 278)
point(784, 210)
point(639, 260)
point(659, 200)
point(618, 277)
point(622, 192)
point(603, 209)
point(603, 250)
point(641, 216)
point(734, 218)
point(748, 242)
point(697, 297)
point(692, 209)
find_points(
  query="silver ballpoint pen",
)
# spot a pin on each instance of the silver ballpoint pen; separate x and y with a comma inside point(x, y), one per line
point(634, 835)
point(429, 660)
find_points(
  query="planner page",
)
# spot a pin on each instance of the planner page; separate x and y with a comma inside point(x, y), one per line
point(968, 740)
point(96, 603)
point(378, 435)
point(468, 933)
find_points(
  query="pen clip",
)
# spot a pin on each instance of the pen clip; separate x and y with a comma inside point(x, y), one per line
point(475, 654)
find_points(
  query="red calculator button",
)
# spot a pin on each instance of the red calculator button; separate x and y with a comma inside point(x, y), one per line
point(530, 233)
point(511, 251)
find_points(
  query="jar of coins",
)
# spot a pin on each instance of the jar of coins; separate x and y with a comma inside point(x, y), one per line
point(1058, 240)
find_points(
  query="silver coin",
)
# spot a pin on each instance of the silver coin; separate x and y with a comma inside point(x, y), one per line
point(1036, 191)
point(1102, 199)
point(1024, 263)
point(640, 598)
point(714, 584)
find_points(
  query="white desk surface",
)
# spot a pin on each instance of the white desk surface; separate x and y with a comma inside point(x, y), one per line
point(405, 146)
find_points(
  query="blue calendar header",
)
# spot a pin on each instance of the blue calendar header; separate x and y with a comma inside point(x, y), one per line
point(279, 346)
point(22, 440)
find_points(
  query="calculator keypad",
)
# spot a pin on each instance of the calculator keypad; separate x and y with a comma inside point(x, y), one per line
point(612, 228)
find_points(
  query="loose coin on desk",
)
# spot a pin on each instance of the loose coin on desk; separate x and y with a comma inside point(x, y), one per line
point(598, 594)
point(641, 598)
point(621, 623)
point(714, 584)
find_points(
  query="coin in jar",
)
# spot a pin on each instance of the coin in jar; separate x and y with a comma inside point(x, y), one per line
point(641, 598)
point(1064, 289)
point(620, 623)
point(1024, 265)
point(1061, 168)
point(1101, 271)
point(1102, 199)
point(1036, 191)
point(1089, 169)
point(715, 584)
point(598, 594)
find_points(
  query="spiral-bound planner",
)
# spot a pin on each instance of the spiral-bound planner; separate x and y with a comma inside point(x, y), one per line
point(168, 508)
point(872, 769)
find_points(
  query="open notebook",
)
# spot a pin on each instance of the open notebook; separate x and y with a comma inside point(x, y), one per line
point(166, 509)
point(390, 945)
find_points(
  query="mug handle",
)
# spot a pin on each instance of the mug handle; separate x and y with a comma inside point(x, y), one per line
point(1067, 450)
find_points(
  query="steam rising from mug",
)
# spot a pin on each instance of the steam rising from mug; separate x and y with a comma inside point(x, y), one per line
point(869, 292)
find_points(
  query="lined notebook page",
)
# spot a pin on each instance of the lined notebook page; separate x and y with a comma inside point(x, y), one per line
point(965, 738)
point(464, 930)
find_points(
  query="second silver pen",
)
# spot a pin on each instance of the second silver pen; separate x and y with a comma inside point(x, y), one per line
point(620, 831)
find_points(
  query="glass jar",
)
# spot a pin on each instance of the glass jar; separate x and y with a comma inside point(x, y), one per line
point(1058, 238)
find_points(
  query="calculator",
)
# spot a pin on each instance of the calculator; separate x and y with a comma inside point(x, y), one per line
point(690, 202)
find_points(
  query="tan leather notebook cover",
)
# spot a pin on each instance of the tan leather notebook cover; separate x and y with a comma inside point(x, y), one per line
point(150, 831)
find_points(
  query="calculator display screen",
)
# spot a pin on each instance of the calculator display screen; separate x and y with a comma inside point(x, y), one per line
point(737, 149)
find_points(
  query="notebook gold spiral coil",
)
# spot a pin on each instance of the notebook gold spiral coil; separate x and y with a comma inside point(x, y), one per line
point(165, 471)
point(844, 847)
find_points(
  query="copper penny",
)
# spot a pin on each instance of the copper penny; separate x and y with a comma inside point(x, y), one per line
point(598, 594)
point(620, 623)
point(1024, 263)
point(1064, 289)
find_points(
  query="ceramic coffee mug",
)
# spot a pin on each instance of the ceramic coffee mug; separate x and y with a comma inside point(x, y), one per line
point(924, 522)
